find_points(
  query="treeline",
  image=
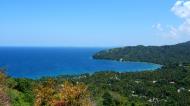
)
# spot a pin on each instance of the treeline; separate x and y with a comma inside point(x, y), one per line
point(169, 54)
point(168, 86)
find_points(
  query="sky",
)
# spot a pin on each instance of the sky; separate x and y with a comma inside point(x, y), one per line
point(93, 23)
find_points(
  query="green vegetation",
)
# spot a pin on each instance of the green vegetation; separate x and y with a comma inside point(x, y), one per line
point(168, 86)
point(171, 54)
point(43, 92)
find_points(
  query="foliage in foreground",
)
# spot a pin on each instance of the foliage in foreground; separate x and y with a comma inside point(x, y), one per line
point(68, 94)
point(168, 86)
point(26, 92)
point(4, 98)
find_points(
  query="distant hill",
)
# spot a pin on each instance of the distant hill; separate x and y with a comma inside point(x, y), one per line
point(168, 54)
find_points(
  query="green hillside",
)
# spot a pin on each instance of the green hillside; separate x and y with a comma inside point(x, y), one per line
point(169, 54)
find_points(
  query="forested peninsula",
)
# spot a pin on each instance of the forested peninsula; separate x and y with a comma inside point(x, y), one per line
point(164, 55)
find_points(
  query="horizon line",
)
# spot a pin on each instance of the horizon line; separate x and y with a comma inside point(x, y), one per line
point(48, 46)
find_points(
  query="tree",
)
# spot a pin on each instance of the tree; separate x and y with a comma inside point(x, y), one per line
point(45, 93)
point(73, 95)
point(68, 94)
point(4, 98)
point(107, 99)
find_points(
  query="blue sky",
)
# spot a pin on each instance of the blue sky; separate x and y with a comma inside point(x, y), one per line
point(92, 23)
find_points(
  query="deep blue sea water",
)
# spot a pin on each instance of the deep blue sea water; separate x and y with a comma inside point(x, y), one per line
point(38, 62)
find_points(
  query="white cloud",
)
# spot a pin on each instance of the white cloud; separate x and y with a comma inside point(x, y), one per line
point(182, 10)
point(157, 26)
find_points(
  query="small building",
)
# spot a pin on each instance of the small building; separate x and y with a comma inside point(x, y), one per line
point(137, 82)
point(180, 89)
point(154, 82)
point(172, 82)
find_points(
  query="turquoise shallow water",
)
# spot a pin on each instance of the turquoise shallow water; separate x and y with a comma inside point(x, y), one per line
point(38, 62)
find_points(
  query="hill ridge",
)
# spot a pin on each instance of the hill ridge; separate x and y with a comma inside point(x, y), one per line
point(167, 54)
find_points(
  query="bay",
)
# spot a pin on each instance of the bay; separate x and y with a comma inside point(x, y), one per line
point(31, 62)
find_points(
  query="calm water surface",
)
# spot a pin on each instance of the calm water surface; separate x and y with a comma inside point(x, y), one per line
point(38, 62)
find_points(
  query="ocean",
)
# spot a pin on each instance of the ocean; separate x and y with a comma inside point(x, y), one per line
point(31, 62)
